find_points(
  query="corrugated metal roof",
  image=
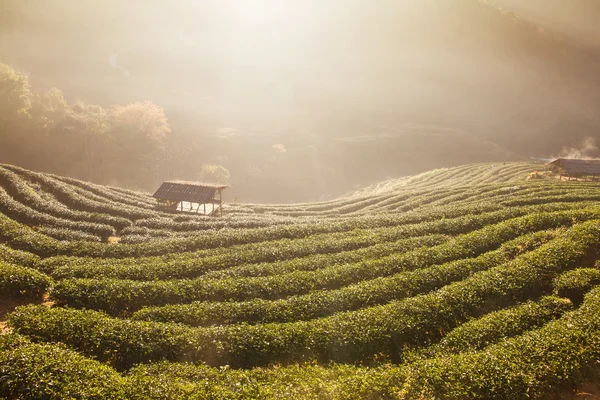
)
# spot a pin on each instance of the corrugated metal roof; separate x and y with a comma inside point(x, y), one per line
point(193, 192)
point(575, 167)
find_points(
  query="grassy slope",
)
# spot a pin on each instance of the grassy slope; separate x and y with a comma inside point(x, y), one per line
point(500, 236)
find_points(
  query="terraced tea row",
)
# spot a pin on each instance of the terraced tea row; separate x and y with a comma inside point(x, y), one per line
point(118, 295)
point(344, 337)
point(71, 200)
point(539, 363)
point(323, 303)
point(466, 282)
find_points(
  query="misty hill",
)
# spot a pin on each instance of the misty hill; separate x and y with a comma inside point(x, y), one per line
point(576, 18)
point(354, 92)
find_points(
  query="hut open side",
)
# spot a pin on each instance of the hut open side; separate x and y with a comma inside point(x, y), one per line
point(576, 168)
point(172, 195)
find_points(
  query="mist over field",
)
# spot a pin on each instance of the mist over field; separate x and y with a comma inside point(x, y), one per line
point(299, 199)
point(295, 100)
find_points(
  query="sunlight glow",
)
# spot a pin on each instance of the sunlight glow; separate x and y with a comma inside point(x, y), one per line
point(251, 12)
point(260, 11)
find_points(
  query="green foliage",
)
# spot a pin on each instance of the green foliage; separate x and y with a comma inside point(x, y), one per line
point(322, 303)
point(29, 216)
point(23, 192)
point(275, 257)
point(433, 290)
point(44, 371)
point(353, 336)
point(493, 327)
point(217, 174)
point(288, 242)
point(575, 284)
point(15, 95)
point(18, 257)
point(115, 296)
point(538, 364)
point(69, 234)
point(22, 283)
point(82, 200)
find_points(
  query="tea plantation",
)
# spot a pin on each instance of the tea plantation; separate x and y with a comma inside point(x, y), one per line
point(470, 282)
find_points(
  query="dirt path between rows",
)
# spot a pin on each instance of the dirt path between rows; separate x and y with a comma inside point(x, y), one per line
point(588, 391)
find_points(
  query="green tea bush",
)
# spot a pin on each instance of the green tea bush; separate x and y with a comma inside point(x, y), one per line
point(22, 192)
point(22, 283)
point(538, 364)
point(493, 327)
point(323, 303)
point(29, 216)
point(80, 199)
point(45, 371)
point(69, 234)
point(18, 257)
point(114, 194)
point(115, 296)
point(327, 250)
point(576, 283)
point(355, 336)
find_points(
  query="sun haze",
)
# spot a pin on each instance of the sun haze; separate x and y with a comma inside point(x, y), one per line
point(355, 91)
point(299, 199)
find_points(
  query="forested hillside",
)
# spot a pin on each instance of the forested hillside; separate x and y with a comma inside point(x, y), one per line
point(577, 19)
point(309, 99)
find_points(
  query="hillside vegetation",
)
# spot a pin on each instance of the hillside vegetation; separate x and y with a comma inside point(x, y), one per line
point(313, 96)
point(464, 282)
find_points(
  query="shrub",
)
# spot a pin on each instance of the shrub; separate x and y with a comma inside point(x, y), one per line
point(22, 192)
point(69, 234)
point(539, 364)
point(323, 303)
point(491, 328)
point(45, 371)
point(115, 296)
point(576, 283)
point(29, 216)
point(22, 283)
point(18, 257)
point(355, 336)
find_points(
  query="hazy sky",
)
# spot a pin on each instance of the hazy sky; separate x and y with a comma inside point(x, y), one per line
point(577, 18)
point(328, 92)
point(336, 68)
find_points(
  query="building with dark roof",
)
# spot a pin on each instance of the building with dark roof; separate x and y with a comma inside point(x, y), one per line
point(575, 168)
point(190, 196)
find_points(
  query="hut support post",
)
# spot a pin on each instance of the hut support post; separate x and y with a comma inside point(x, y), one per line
point(173, 195)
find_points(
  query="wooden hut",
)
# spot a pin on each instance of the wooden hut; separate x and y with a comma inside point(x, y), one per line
point(575, 168)
point(190, 196)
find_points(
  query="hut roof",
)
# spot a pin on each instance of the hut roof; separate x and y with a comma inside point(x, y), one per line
point(575, 167)
point(193, 192)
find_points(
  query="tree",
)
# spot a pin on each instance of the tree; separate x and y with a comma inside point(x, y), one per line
point(140, 131)
point(48, 110)
point(15, 95)
point(211, 173)
point(15, 102)
point(91, 129)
